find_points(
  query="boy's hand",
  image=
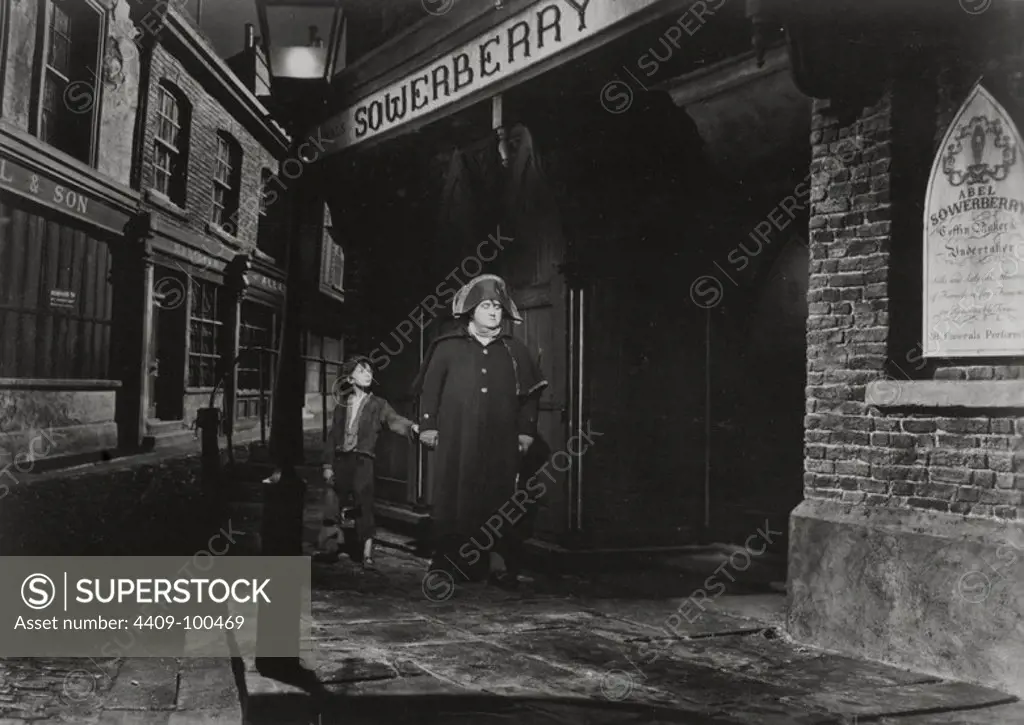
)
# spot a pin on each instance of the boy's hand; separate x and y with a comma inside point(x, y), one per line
point(328, 474)
point(416, 429)
point(524, 443)
point(429, 438)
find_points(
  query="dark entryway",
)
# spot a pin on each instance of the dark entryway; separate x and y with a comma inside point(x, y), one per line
point(166, 379)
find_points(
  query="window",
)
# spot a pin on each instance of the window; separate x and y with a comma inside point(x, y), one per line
point(323, 363)
point(170, 147)
point(204, 335)
point(257, 359)
point(268, 236)
point(70, 89)
point(227, 170)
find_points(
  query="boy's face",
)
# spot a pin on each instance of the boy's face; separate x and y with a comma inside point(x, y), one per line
point(487, 314)
point(362, 375)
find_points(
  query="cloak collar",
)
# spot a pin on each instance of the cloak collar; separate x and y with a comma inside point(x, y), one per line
point(528, 378)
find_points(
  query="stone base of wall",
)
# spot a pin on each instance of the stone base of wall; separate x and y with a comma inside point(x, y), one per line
point(930, 591)
point(41, 427)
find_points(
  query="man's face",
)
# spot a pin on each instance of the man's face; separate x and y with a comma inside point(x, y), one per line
point(362, 375)
point(487, 314)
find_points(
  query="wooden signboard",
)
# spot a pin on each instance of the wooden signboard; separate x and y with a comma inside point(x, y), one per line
point(332, 261)
point(974, 236)
point(507, 52)
point(58, 196)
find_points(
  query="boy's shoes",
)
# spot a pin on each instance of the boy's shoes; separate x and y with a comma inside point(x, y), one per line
point(325, 557)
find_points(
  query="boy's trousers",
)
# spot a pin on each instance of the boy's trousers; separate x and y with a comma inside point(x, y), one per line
point(352, 486)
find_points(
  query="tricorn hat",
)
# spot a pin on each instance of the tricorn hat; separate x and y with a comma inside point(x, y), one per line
point(479, 289)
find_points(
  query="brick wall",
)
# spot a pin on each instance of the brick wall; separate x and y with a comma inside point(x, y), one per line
point(209, 116)
point(870, 179)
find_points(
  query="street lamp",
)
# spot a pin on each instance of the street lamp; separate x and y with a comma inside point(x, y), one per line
point(303, 42)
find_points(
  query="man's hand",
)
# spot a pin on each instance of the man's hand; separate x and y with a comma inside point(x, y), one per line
point(429, 438)
point(524, 443)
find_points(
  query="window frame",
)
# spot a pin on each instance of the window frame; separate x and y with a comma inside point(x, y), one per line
point(214, 323)
point(42, 71)
point(178, 154)
point(231, 189)
point(247, 324)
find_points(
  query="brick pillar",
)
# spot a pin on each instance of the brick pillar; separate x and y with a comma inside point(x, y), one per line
point(848, 297)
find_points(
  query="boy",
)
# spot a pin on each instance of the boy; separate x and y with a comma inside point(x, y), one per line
point(348, 458)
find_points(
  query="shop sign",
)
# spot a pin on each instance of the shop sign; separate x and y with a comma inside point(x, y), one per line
point(524, 40)
point(266, 283)
point(59, 196)
point(332, 268)
point(974, 236)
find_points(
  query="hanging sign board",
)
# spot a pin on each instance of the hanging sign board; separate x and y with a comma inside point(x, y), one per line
point(974, 236)
point(523, 41)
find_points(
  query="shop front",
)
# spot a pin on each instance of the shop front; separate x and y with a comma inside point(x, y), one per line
point(201, 315)
point(601, 218)
point(60, 234)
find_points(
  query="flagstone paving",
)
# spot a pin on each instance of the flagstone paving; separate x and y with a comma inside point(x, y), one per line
point(583, 650)
point(573, 649)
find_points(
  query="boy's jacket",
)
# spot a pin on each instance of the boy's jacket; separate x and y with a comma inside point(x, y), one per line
point(375, 414)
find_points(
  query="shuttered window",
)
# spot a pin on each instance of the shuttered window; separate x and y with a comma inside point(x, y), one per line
point(55, 300)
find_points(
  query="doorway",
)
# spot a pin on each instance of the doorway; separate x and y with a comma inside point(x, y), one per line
point(483, 198)
point(166, 379)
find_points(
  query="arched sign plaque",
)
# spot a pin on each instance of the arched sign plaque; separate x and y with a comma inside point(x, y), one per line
point(974, 236)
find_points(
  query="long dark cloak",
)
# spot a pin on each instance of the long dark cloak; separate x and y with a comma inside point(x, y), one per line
point(479, 399)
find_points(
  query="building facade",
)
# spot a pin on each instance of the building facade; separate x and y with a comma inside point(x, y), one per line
point(139, 175)
point(70, 92)
point(209, 175)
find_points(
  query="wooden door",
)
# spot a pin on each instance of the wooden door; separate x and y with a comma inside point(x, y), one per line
point(530, 263)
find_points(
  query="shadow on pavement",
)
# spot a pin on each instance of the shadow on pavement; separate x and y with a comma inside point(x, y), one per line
point(472, 709)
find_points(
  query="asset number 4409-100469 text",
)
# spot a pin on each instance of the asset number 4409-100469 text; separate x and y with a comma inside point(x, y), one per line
point(193, 622)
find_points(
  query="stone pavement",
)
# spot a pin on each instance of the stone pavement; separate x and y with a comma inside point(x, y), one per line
point(599, 649)
point(393, 648)
point(139, 691)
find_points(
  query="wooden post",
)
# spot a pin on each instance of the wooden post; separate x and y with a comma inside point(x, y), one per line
point(263, 398)
point(131, 275)
point(229, 351)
